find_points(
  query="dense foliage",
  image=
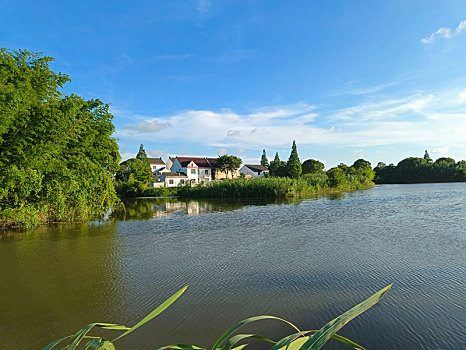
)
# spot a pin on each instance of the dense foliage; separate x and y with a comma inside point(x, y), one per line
point(57, 155)
point(134, 175)
point(421, 170)
point(334, 180)
point(311, 166)
point(228, 163)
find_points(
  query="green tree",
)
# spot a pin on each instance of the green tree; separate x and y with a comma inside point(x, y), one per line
point(293, 165)
point(134, 175)
point(228, 163)
point(364, 168)
point(57, 153)
point(264, 160)
point(312, 166)
point(277, 167)
point(427, 157)
point(336, 177)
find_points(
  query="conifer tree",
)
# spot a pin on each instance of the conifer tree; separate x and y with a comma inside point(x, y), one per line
point(293, 165)
point(427, 157)
point(264, 160)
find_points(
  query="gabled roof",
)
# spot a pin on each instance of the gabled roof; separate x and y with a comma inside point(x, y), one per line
point(212, 162)
point(156, 161)
point(200, 162)
point(256, 168)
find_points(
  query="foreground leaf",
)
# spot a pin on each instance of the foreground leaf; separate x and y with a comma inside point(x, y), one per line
point(181, 346)
point(99, 344)
point(245, 322)
point(154, 313)
point(317, 340)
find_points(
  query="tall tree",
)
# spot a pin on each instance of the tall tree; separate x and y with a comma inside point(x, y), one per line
point(264, 160)
point(134, 175)
point(293, 165)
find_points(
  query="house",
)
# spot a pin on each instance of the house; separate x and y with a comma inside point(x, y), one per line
point(218, 174)
point(197, 169)
point(252, 170)
point(156, 164)
point(171, 179)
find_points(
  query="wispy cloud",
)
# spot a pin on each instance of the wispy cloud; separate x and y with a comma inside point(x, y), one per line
point(440, 150)
point(444, 33)
point(435, 119)
point(440, 33)
point(202, 8)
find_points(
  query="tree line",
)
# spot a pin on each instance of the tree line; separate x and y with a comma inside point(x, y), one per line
point(421, 170)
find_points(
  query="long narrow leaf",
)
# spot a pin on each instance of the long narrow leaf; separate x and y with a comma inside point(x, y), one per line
point(237, 338)
point(245, 322)
point(181, 346)
point(56, 342)
point(282, 343)
point(154, 313)
point(240, 347)
point(316, 341)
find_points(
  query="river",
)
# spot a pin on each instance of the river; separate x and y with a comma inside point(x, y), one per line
point(306, 261)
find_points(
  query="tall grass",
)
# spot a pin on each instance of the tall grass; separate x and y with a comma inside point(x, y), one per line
point(274, 187)
point(299, 340)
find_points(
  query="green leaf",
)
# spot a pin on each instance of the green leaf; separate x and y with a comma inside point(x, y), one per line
point(233, 340)
point(240, 347)
point(181, 346)
point(99, 344)
point(245, 322)
point(281, 344)
point(154, 313)
point(317, 340)
point(52, 345)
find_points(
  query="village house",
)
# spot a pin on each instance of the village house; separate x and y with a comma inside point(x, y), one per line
point(156, 164)
point(252, 170)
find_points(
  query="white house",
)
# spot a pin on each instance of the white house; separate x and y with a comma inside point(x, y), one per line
point(156, 164)
point(254, 170)
point(171, 179)
point(197, 169)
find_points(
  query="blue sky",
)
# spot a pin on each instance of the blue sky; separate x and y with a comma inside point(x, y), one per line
point(380, 80)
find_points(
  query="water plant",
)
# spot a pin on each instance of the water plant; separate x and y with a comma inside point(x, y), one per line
point(299, 340)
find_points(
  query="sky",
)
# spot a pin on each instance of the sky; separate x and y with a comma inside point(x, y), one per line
point(379, 80)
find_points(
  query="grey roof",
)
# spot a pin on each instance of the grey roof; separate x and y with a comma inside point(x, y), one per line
point(256, 168)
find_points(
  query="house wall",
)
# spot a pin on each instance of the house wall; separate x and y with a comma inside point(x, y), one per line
point(176, 181)
point(155, 167)
point(220, 175)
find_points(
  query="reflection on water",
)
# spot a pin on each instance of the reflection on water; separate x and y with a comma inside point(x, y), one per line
point(148, 208)
point(306, 261)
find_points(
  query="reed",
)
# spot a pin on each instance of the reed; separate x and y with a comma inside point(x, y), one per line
point(298, 340)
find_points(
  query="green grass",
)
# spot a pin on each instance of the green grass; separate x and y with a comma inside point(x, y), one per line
point(298, 340)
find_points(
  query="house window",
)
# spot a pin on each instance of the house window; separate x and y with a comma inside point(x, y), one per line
point(193, 171)
point(181, 181)
point(170, 182)
point(207, 172)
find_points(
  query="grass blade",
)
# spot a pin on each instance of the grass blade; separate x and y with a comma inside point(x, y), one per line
point(317, 340)
point(233, 340)
point(181, 346)
point(245, 322)
point(288, 340)
point(154, 313)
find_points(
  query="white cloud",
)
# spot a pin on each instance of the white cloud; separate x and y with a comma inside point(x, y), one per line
point(240, 150)
point(156, 153)
point(462, 95)
point(203, 7)
point(416, 119)
point(440, 150)
point(222, 151)
point(461, 26)
point(444, 33)
point(440, 33)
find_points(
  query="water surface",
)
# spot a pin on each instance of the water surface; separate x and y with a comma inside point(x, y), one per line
point(306, 261)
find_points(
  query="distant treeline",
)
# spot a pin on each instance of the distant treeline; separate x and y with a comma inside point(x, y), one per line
point(421, 170)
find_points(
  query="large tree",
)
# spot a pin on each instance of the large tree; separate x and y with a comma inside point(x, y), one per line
point(228, 163)
point(311, 166)
point(57, 153)
point(293, 165)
